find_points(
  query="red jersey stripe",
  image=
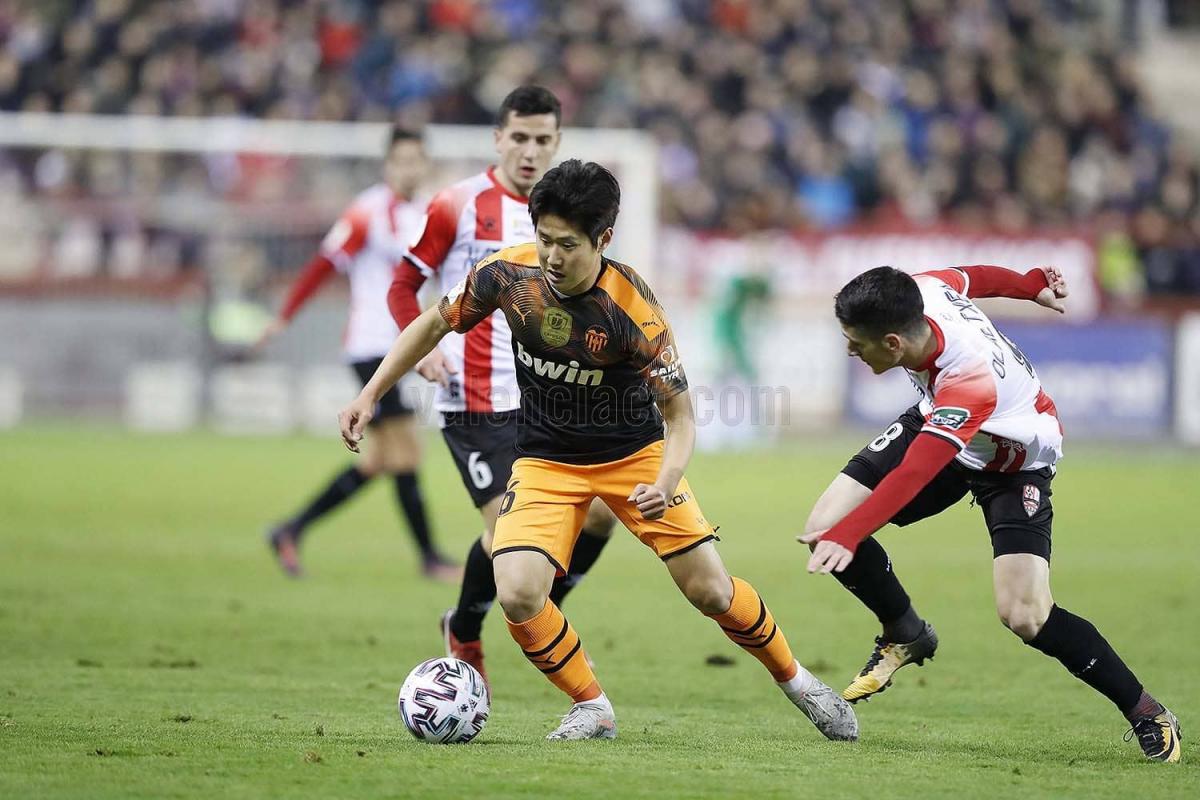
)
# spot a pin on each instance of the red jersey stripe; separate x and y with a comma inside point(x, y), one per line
point(489, 222)
point(1044, 405)
point(930, 364)
point(477, 367)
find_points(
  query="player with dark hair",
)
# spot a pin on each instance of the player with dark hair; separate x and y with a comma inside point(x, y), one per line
point(365, 244)
point(599, 375)
point(983, 426)
point(478, 396)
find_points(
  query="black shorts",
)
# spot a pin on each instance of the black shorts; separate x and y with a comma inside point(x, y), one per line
point(484, 447)
point(391, 404)
point(1016, 505)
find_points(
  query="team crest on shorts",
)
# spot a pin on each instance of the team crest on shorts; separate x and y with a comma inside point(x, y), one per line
point(595, 338)
point(556, 327)
point(1033, 499)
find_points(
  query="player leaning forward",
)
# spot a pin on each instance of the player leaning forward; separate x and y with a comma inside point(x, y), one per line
point(983, 426)
point(599, 374)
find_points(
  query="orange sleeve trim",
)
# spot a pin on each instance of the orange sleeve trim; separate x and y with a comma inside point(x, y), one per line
point(523, 254)
point(630, 300)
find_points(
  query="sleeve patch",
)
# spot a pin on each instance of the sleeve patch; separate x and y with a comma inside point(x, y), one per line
point(949, 417)
point(666, 367)
point(456, 291)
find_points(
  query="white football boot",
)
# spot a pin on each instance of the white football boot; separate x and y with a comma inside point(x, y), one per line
point(827, 709)
point(592, 719)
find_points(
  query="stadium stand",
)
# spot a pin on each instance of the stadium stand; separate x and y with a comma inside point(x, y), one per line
point(805, 114)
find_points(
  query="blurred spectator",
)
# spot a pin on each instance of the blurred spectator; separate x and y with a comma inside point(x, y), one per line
point(771, 113)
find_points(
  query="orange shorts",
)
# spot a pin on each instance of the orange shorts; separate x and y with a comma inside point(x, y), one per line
point(546, 502)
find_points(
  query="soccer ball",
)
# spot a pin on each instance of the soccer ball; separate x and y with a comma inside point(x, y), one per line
point(444, 701)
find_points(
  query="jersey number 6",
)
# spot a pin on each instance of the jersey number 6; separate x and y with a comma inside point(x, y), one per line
point(481, 473)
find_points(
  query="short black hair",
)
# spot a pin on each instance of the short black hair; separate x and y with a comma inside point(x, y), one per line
point(401, 134)
point(586, 195)
point(527, 100)
point(881, 301)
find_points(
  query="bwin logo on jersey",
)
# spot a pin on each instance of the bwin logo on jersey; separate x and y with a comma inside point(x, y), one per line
point(567, 373)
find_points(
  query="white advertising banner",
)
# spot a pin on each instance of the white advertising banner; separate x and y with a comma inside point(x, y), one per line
point(1187, 379)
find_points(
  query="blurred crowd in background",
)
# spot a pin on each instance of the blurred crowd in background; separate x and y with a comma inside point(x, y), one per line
point(1003, 115)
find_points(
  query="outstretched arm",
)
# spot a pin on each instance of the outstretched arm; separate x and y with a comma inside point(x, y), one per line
point(1045, 286)
point(413, 344)
point(926, 457)
point(315, 272)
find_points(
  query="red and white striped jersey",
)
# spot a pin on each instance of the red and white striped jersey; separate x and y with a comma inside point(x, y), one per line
point(366, 243)
point(978, 390)
point(465, 224)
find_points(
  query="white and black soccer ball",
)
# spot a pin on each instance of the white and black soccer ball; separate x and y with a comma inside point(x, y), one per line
point(444, 701)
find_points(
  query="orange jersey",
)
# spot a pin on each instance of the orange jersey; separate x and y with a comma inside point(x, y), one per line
point(590, 367)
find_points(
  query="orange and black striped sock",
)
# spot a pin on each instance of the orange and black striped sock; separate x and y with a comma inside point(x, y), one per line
point(749, 624)
point(551, 645)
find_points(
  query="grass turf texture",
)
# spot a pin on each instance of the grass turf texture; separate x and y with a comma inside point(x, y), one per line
point(150, 648)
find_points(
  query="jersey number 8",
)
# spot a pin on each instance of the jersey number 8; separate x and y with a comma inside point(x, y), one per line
point(880, 443)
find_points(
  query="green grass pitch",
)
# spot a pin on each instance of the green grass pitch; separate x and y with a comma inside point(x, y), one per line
point(150, 648)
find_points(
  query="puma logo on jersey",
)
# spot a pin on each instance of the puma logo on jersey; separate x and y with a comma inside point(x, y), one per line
point(567, 373)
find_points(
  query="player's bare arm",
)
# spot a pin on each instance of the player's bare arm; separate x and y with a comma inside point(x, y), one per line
point(414, 343)
point(270, 333)
point(679, 441)
point(404, 301)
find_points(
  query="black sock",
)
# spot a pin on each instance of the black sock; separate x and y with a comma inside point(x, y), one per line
point(870, 578)
point(587, 550)
point(408, 493)
point(340, 489)
point(1146, 706)
point(476, 596)
point(905, 629)
point(1088, 656)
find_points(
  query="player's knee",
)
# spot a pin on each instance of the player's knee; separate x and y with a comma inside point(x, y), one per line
point(1023, 618)
point(406, 456)
point(370, 466)
point(709, 594)
point(520, 601)
point(401, 464)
